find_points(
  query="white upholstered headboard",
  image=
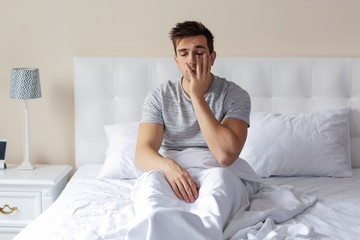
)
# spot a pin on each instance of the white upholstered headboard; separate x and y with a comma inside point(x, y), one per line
point(112, 89)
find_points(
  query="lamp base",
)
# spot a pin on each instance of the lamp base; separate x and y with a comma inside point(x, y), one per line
point(26, 166)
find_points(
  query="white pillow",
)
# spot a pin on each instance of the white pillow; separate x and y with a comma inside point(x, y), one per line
point(120, 154)
point(305, 144)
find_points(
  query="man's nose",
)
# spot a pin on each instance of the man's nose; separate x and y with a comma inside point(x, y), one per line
point(192, 59)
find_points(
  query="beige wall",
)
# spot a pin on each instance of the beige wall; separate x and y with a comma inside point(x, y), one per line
point(48, 33)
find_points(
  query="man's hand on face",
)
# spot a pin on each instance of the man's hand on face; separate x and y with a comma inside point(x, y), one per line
point(181, 182)
point(200, 81)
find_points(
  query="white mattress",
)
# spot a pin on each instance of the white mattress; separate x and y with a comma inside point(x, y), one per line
point(91, 208)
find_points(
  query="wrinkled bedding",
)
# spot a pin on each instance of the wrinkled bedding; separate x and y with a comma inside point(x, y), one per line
point(222, 208)
point(93, 208)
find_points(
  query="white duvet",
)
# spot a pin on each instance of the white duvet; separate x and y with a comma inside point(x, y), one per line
point(225, 209)
point(92, 208)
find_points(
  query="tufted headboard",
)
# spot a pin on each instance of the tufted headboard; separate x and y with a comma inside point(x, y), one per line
point(112, 89)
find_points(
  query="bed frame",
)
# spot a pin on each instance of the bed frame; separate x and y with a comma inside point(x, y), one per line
point(112, 89)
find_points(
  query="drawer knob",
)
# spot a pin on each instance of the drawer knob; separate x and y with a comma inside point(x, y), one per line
point(10, 209)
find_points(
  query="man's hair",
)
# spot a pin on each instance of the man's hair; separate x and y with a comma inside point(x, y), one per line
point(191, 29)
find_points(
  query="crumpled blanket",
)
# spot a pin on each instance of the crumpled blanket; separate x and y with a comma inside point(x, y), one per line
point(268, 230)
point(232, 204)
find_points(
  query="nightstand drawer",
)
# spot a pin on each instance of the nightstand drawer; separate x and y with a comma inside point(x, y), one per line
point(28, 206)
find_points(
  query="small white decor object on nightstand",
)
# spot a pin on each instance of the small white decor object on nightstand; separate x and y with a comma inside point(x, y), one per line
point(26, 194)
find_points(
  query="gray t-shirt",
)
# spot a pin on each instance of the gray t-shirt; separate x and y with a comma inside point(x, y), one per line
point(169, 106)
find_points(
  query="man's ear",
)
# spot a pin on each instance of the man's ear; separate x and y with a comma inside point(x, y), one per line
point(176, 60)
point(212, 57)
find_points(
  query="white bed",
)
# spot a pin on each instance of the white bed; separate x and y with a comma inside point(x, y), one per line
point(111, 90)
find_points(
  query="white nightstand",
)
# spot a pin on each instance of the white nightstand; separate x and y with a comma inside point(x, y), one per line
point(24, 194)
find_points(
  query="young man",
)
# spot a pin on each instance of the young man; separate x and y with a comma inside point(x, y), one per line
point(199, 110)
point(194, 191)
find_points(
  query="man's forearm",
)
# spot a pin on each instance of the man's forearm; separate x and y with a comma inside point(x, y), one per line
point(222, 141)
point(149, 159)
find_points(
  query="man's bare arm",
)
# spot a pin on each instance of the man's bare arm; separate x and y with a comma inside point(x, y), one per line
point(226, 139)
point(148, 158)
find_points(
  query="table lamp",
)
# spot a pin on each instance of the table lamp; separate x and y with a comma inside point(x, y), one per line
point(25, 84)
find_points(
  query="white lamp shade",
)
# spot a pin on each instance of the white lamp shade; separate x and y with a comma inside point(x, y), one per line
point(25, 83)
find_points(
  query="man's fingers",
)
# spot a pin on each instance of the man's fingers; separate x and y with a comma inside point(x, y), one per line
point(189, 191)
point(183, 191)
point(176, 191)
point(207, 60)
point(203, 66)
point(182, 184)
point(199, 65)
point(189, 70)
point(186, 190)
point(193, 188)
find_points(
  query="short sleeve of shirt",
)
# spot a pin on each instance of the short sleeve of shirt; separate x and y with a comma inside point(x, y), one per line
point(237, 104)
point(152, 108)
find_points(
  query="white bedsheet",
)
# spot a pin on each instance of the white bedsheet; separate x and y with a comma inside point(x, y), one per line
point(92, 208)
point(336, 214)
point(88, 208)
